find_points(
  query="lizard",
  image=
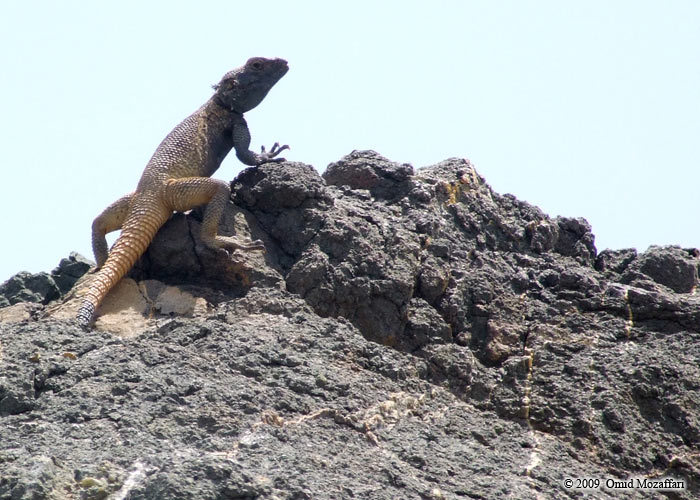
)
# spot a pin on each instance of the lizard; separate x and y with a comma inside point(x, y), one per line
point(177, 179)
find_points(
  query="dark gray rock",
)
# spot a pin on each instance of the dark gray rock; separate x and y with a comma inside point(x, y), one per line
point(304, 408)
point(370, 171)
point(28, 287)
point(670, 266)
point(406, 335)
point(614, 262)
point(70, 270)
point(42, 287)
point(286, 201)
point(177, 255)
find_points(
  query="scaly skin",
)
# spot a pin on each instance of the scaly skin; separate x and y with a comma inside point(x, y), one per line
point(177, 179)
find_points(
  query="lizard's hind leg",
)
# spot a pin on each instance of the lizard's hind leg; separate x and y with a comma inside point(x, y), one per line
point(184, 194)
point(111, 219)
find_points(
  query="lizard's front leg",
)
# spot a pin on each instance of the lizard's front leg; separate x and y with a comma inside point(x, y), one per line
point(241, 143)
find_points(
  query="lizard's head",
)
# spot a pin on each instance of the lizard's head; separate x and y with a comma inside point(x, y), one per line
point(244, 88)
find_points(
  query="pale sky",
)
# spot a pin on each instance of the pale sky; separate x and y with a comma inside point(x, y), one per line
point(585, 109)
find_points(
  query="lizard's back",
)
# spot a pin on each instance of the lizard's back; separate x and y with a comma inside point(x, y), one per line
point(194, 148)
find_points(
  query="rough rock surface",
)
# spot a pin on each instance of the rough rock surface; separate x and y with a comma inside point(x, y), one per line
point(44, 287)
point(406, 335)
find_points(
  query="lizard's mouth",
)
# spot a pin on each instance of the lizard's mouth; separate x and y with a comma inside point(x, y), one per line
point(284, 67)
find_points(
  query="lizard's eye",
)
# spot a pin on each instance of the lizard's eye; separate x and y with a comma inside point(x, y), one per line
point(257, 65)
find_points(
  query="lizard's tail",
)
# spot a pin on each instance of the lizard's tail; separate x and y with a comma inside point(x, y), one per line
point(137, 233)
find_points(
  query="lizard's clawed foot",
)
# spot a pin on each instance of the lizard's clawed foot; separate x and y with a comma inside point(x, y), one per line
point(228, 245)
point(274, 151)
